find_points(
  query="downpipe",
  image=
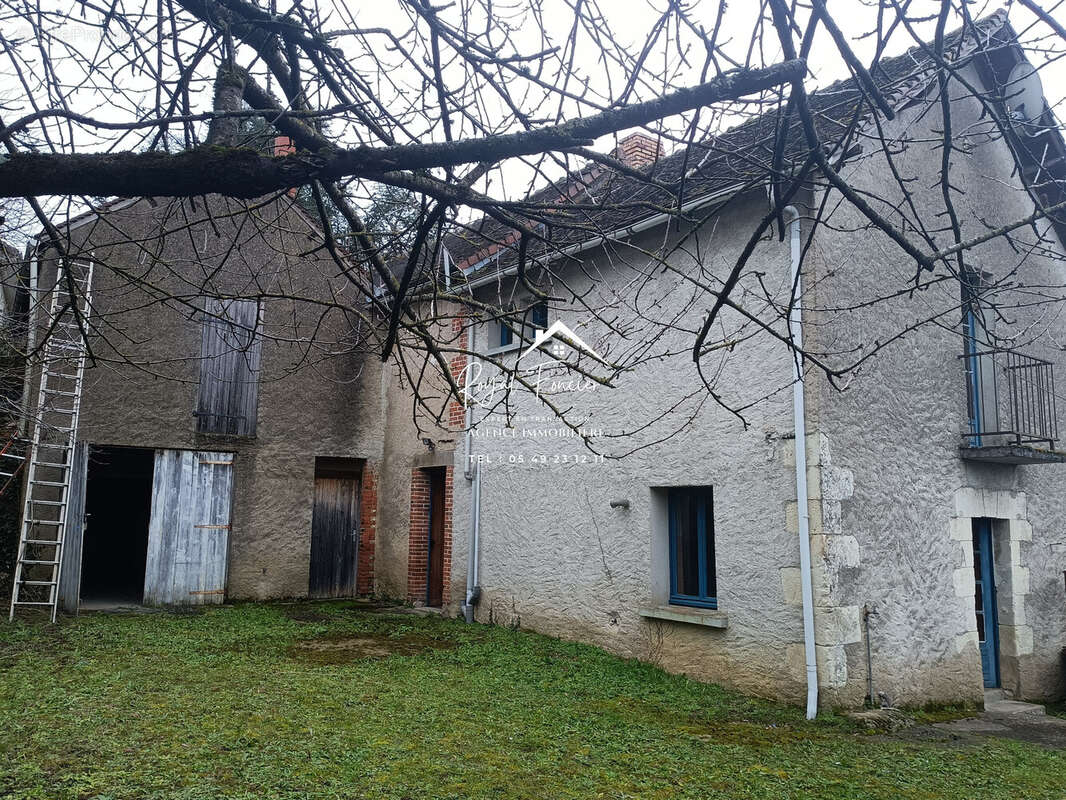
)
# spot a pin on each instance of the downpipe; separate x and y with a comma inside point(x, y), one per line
point(867, 612)
point(473, 590)
point(795, 327)
point(472, 472)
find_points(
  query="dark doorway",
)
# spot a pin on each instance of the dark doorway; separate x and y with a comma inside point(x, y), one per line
point(118, 502)
point(435, 571)
point(335, 528)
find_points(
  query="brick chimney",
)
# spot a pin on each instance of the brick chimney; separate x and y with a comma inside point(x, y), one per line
point(283, 146)
point(638, 151)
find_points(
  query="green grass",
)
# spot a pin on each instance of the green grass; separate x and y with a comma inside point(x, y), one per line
point(237, 702)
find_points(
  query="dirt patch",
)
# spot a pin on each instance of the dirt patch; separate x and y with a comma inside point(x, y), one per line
point(343, 649)
point(315, 612)
point(881, 719)
point(1045, 731)
point(748, 734)
point(304, 614)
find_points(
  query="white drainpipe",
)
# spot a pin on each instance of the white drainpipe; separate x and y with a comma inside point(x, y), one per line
point(473, 474)
point(795, 327)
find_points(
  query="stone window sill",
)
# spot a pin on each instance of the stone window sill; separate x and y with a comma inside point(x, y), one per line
point(708, 617)
point(501, 349)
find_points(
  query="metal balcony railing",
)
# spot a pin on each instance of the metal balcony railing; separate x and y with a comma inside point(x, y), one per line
point(1011, 399)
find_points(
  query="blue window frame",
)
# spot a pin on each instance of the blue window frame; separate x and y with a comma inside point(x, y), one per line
point(506, 334)
point(971, 299)
point(539, 316)
point(692, 574)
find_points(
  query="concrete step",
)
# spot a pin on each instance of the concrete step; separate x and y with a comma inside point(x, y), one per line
point(998, 706)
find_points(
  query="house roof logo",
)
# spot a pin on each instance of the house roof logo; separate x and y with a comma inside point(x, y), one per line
point(559, 336)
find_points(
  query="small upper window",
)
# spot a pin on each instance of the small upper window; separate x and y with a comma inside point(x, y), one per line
point(516, 325)
point(506, 334)
point(692, 573)
point(538, 315)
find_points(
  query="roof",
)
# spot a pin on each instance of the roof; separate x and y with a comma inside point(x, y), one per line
point(13, 265)
point(737, 159)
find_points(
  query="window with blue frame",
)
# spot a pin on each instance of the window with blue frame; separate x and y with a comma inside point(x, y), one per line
point(539, 316)
point(506, 334)
point(692, 574)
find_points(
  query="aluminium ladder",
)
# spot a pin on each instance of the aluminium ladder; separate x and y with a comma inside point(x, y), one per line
point(51, 455)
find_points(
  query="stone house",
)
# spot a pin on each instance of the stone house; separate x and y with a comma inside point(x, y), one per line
point(933, 482)
point(822, 538)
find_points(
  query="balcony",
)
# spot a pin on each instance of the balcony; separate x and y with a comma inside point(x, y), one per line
point(1012, 409)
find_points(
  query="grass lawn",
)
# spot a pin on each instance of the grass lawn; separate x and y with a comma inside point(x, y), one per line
point(332, 701)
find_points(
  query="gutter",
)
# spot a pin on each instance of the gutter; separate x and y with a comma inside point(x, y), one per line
point(795, 329)
point(620, 233)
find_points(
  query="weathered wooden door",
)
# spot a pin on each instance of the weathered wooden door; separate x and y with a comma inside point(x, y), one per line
point(334, 536)
point(188, 536)
point(70, 570)
point(435, 573)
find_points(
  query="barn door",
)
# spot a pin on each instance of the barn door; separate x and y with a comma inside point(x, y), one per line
point(334, 534)
point(188, 536)
point(70, 570)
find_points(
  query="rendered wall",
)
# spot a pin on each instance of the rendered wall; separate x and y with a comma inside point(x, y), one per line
point(557, 558)
point(313, 400)
point(900, 539)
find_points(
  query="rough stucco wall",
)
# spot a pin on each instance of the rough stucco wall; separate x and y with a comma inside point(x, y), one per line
point(143, 389)
point(404, 425)
point(556, 558)
point(897, 429)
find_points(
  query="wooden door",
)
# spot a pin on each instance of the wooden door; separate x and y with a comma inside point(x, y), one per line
point(188, 535)
point(70, 566)
point(435, 572)
point(334, 536)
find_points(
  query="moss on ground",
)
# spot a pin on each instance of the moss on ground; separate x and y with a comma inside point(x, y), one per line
point(239, 702)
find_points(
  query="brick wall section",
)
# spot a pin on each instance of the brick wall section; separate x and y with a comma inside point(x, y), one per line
point(368, 529)
point(418, 536)
point(446, 593)
point(456, 418)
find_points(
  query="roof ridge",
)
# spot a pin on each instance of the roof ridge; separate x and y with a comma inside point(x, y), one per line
point(897, 88)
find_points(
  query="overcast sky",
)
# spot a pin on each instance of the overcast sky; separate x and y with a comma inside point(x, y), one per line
point(630, 20)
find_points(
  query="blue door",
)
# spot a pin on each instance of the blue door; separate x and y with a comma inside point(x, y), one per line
point(985, 601)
